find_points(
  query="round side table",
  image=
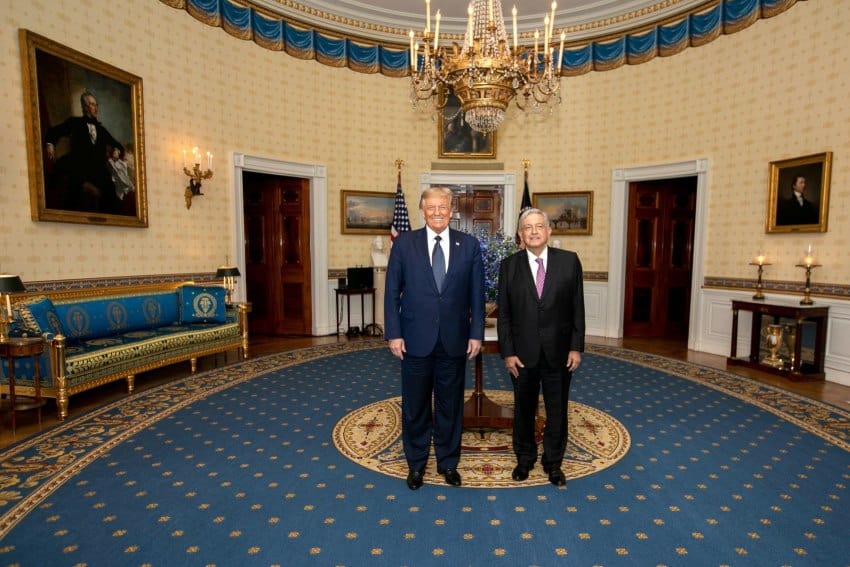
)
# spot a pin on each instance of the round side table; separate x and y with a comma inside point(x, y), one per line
point(12, 349)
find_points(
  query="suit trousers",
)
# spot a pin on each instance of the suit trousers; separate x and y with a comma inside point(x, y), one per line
point(443, 376)
point(555, 383)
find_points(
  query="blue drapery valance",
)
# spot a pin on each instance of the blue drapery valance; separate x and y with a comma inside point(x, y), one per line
point(698, 27)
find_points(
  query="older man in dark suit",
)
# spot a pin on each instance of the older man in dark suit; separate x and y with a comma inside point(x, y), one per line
point(434, 319)
point(541, 338)
point(81, 179)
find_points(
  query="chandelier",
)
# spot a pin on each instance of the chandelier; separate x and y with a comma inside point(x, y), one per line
point(486, 72)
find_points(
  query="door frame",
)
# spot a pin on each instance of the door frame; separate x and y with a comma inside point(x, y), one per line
point(317, 174)
point(507, 180)
point(620, 180)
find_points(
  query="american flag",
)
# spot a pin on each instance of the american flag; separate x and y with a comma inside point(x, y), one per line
point(526, 204)
point(401, 221)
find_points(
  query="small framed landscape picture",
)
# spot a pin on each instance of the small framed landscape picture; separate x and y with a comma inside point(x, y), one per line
point(366, 212)
point(569, 212)
point(798, 194)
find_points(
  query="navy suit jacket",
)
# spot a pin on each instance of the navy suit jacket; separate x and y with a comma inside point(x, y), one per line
point(553, 323)
point(413, 308)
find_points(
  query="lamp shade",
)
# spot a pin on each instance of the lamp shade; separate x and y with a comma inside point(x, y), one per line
point(225, 271)
point(11, 284)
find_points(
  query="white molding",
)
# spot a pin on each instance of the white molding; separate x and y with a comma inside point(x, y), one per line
point(318, 177)
point(715, 331)
point(507, 180)
point(620, 179)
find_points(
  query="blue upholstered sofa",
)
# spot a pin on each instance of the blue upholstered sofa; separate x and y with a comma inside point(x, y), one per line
point(98, 336)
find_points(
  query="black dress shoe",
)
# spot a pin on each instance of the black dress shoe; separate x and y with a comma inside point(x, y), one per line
point(414, 480)
point(451, 475)
point(520, 473)
point(556, 477)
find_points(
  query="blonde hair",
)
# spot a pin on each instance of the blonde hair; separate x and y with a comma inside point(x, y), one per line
point(443, 192)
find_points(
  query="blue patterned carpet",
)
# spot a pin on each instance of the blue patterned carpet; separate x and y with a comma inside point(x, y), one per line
point(237, 466)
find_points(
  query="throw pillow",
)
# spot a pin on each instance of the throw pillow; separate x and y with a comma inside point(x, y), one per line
point(202, 304)
point(39, 314)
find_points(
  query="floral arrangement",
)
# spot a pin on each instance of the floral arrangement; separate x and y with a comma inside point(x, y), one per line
point(494, 248)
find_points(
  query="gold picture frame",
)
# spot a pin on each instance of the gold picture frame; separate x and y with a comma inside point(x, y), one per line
point(786, 213)
point(456, 140)
point(569, 212)
point(366, 212)
point(85, 137)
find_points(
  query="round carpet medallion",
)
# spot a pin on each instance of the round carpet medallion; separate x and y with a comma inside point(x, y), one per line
point(371, 437)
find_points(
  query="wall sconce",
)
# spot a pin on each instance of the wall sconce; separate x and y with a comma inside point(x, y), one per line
point(196, 174)
point(229, 275)
point(9, 284)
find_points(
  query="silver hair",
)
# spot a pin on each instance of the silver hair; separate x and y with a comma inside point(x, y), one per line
point(444, 192)
point(531, 211)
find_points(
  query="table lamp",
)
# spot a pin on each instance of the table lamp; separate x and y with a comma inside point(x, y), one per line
point(9, 284)
point(228, 275)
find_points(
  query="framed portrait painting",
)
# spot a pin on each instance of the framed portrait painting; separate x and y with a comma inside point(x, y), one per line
point(366, 212)
point(569, 212)
point(85, 137)
point(457, 139)
point(798, 194)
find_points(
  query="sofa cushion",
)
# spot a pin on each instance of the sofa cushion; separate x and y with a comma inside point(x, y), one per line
point(39, 314)
point(107, 316)
point(202, 304)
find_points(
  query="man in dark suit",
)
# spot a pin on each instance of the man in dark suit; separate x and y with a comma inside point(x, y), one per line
point(434, 319)
point(541, 338)
point(81, 180)
point(797, 209)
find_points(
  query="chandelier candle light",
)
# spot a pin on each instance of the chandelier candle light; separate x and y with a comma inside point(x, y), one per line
point(196, 174)
point(808, 263)
point(761, 261)
point(487, 71)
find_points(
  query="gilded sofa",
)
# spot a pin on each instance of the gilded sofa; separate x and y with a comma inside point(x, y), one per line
point(94, 337)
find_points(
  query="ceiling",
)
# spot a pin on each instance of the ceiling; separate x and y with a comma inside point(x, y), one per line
point(390, 20)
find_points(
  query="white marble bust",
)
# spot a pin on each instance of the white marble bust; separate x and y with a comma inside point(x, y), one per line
point(379, 254)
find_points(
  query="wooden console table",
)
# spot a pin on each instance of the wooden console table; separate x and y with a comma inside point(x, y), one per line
point(795, 370)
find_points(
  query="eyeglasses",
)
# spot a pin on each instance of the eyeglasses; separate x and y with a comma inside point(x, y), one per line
point(540, 227)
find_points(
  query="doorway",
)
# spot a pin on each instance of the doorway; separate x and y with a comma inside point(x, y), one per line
point(613, 300)
point(276, 211)
point(659, 258)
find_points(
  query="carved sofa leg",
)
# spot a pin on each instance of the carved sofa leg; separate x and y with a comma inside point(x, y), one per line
point(57, 361)
point(194, 364)
point(131, 383)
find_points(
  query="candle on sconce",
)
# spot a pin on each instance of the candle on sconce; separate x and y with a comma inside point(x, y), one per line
point(561, 58)
point(809, 258)
point(196, 156)
point(552, 20)
point(536, 37)
point(437, 33)
point(760, 259)
point(490, 10)
point(513, 12)
point(470, 29)
point(209, 161)
point(9, 306)
point(412, 53)
point(546, 33)
point(427, 16)
point(184, 157)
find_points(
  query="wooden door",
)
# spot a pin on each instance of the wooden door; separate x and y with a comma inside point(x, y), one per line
point(277, 253)
point(659, 258)
point(476, 208)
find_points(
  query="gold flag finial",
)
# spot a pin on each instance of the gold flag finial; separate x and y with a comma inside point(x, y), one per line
point(525, 163)
point(399, 163)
